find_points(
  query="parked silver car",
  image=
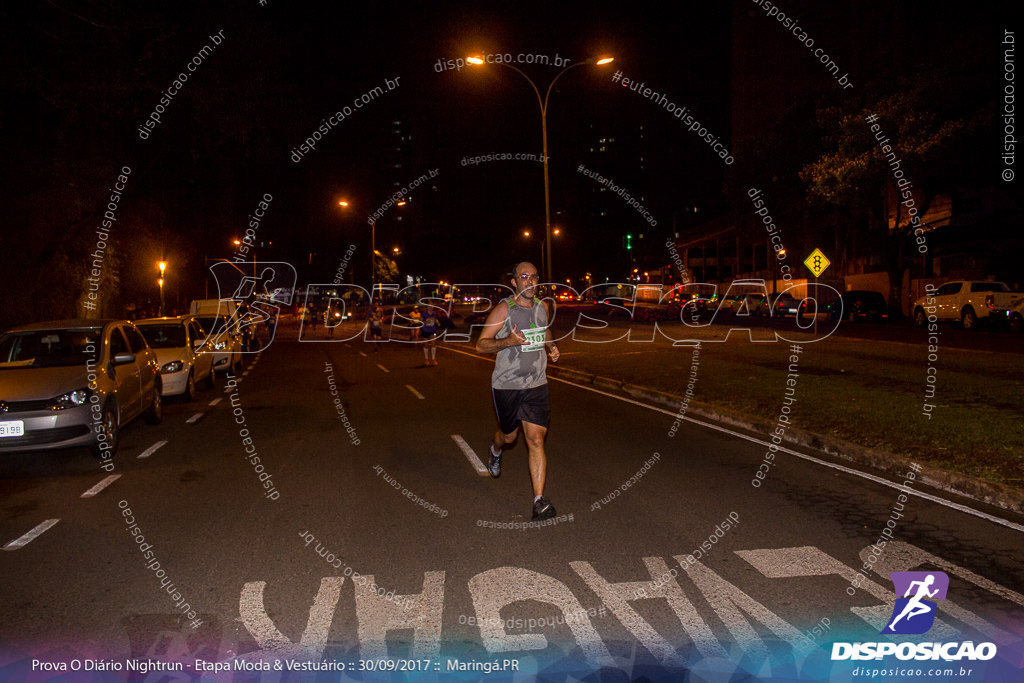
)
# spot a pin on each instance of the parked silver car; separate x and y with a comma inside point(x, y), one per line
point(75, 383)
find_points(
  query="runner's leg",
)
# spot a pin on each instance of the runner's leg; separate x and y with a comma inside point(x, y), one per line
point(534, 435)
point(501, 440)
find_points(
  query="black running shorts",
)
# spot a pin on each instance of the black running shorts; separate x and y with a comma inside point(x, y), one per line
point(522, 405)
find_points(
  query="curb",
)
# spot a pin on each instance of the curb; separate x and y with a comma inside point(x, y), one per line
point(991, 493)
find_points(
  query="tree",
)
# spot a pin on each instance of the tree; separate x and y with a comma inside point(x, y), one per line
point(385, 269)
point(894, 155)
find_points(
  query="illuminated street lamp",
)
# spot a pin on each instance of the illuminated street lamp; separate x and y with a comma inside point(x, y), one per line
point(544, 136)
point(373, 241)
point(162, 266)
point(555, 231)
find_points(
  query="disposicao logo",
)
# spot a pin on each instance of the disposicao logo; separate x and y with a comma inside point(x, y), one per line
point(914, 613)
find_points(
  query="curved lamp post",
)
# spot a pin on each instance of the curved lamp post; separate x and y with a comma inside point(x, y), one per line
point(543, 102)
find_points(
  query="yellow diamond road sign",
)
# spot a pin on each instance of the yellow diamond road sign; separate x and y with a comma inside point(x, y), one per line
point(817, 263)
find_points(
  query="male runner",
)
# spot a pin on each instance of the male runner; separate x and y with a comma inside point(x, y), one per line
point(517, 331)
point(376, 317)
point(429, 332)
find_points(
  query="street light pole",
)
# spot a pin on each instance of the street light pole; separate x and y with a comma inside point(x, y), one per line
point(162, 265)
point(543, 102)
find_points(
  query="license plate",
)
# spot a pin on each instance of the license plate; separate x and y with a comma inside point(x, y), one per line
point(15, 428)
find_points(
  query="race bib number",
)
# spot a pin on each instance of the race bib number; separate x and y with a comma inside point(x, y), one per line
point(534, 339)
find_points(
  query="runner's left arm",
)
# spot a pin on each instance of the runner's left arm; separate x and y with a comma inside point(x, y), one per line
point(549, 343)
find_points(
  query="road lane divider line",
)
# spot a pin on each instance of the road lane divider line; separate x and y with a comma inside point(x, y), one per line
point(470, 455)
point(215, 401)
point(363, 354)
point(414, 392)
point(152, 449)
point(30, 536)
point(383, 368)
point(100, 486)
point(195, 418)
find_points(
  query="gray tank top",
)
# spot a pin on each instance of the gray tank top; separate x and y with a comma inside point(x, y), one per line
point(525, 366)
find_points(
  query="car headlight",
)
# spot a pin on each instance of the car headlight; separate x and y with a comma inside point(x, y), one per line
point(72, 399)
point(173, 366)
point(220, 345)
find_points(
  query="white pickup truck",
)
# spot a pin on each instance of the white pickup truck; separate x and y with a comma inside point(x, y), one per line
point(964, 301)
point(1015, 315)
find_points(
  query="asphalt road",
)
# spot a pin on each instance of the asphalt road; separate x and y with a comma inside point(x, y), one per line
point(379, 484)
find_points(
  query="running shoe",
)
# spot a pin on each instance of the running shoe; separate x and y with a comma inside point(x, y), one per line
point(543, 509)
point(494, 465)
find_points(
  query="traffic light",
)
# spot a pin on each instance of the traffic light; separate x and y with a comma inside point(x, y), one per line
point(629, 242)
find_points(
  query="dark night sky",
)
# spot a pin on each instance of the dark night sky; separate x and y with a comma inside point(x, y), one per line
point(80, 77)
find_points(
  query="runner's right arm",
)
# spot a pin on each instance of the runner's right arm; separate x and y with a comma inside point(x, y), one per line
point(486, 343)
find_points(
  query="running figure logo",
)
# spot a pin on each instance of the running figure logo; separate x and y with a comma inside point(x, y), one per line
point(914, 613)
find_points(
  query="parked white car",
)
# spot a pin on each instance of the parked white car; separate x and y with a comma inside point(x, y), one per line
point(964, 301)
point(181, 351)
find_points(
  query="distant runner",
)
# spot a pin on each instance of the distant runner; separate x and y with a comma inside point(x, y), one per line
point(517, 330)
point(431, 326)
point(376, 317)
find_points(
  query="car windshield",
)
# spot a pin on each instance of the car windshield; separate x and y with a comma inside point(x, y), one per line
point(49, 348)
point(167, 336)
point(213, 324)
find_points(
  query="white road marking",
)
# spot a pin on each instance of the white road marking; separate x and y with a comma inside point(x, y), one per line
point(215, 401)
point(275, 644)
point(494, 589)
point(100, 486)
point(470, 455)
point(741, 619)
point(787, 563)
point(31, 535)
point(617, 597)
point(377, 614)
point(383, 368)
point(194, 418)
point(731, 604)
point(414, 392)
point(152, 449)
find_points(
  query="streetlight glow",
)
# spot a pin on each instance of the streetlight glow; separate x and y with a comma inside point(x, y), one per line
point(162, 265)
point(543, 102)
